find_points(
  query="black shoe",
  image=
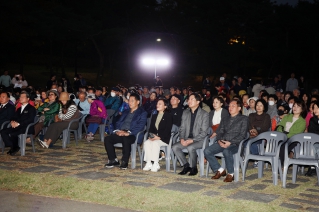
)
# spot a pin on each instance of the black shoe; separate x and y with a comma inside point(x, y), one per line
point(311, 172)
point(185, 170)
point(123, 165)
point(193, 171)
point(9, 152)
point(112, 163)
point(14, 151)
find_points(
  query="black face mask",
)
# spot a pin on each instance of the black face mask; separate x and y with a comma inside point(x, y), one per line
point(280, 112)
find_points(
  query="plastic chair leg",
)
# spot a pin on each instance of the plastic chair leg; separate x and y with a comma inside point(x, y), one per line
point(294, 173)
point(260, 169)
point(64, 139)
point(133, 156)
point(22, 138)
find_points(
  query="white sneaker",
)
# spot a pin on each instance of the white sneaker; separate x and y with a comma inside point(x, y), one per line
point(148, 166)
point(43, 144)
point(155, 167)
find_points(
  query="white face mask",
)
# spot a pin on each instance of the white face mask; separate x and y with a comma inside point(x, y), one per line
point(290, 105)
point(113, 94)
point(127, 97)
point(271, 103)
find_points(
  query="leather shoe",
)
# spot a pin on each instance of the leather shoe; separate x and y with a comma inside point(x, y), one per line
point(14, 151)
point(185, 170)
point(9, 152)
point(193, 172)
point(229, 178)
point(218, 175)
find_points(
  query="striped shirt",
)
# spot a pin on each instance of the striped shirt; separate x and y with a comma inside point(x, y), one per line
point(69, 113)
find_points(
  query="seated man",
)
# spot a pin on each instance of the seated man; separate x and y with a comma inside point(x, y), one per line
point(230, 132)
point(6, 109)
point(113, 101)
point(19, 122)
point(82, 103)
point(132, 121)
point(193, 130)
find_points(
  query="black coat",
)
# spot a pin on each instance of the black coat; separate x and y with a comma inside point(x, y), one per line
point(26, 117)
point(313, 125)
point(164, 127)
point(6, 113)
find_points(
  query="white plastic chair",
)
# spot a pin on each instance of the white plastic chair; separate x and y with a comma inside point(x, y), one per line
point(304, 155)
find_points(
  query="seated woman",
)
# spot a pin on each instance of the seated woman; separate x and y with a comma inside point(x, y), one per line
point(47, 112)
point(216, 115)
point(97, 109)
point(159, 135)
point(282, 111)
point(252, 103)
point(309, 114)
point(293, 124)
point(314, 128)
point(150, 104)
point(259, 122)
point(68, 112)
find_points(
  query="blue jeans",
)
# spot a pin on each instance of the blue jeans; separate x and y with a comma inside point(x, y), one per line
point(93, 127)
point(228, 153)
point(254, 150)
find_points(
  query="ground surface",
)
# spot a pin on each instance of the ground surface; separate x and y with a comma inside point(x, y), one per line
point(78, 173)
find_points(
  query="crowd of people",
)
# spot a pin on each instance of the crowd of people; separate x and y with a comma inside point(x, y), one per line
point(236, 109)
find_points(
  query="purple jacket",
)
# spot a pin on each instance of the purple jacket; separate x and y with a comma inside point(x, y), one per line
point(98, 108)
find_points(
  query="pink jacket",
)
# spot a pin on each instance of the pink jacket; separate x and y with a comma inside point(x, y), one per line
point(308, 117)
point(98, 108)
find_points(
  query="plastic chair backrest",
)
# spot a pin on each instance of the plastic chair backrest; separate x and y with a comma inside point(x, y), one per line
point(273, 139)
point(305, 148)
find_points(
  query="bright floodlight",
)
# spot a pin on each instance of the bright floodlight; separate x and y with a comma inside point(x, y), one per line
point(158, 40)
point(155, 62)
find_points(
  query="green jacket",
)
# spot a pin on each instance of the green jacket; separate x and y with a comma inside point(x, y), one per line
point(298, 127)
point(49, 114)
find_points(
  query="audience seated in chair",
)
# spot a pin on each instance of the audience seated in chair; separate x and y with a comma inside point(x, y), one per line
point(97, 110)
point(231, 131)
point(193, 130)
point(293, 124)
point(131, 122)
point(7, 110)
point(68, 112)
point(19, 122)
point(159, 135)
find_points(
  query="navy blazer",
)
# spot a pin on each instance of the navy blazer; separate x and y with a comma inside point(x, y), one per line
point(138, 122)
point(26, 117)
point(6, 113)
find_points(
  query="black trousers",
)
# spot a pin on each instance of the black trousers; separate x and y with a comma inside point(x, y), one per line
point(10, 136)
point(282, 151)
point(126, 141)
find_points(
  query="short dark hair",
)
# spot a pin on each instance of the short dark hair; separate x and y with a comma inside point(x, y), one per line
point(196, 96)
point(220, 99)
point(264, 95)
point(8, 95)
point(238, 102)
point(264, 104)
point(315, 103)
point(273, 96)
point(136, 96)
point(26, 93)
point(165, 101)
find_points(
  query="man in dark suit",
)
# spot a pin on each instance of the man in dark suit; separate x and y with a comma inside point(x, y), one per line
point(193, 130)
point(19, 122)
point(231, 131)
point(132, 121)
point(6, 109)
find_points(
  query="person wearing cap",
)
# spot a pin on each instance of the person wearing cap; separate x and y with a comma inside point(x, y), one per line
point(158, 82)
point(167, 94)
point(82, 103)
point(68, 111)
point(98, 94)
point(19, 122)
point(96, 109)
point(222, 84)
point(113, 101)
point(47, 111)
point(251, 103)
